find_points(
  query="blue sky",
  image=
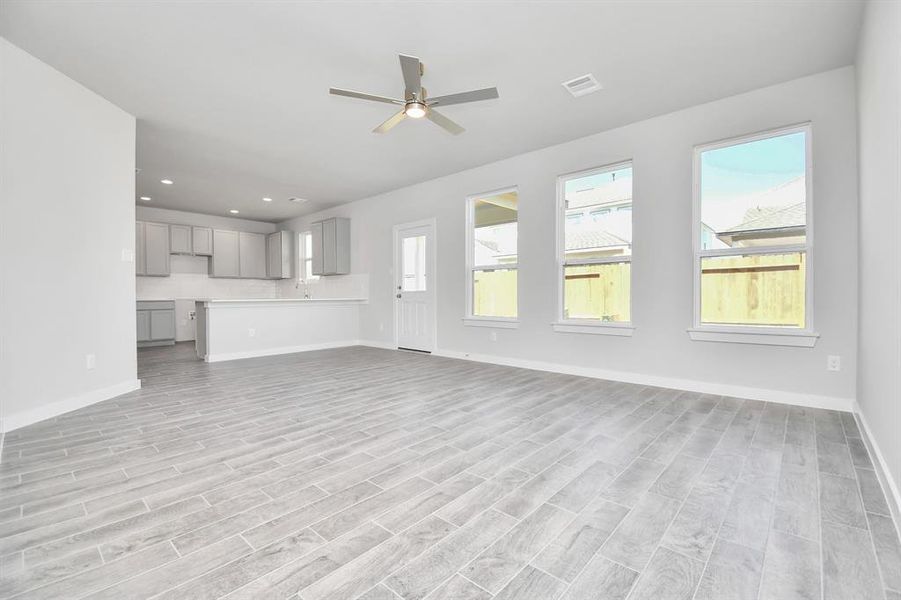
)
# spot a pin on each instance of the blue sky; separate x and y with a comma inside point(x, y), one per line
point(732, 177)
point(752, 167)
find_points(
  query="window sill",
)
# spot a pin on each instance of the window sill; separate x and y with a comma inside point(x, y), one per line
point(617, 329)
point(796, 339)
point(491, 322)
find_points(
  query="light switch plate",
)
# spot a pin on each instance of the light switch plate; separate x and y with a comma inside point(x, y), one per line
point(90, 361)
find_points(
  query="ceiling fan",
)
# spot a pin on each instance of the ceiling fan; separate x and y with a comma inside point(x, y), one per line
point(416, 104)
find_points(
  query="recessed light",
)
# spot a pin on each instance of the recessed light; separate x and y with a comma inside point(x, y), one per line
point(167, 181)
point(234, 212)
point(267, 199)
point(145, 198)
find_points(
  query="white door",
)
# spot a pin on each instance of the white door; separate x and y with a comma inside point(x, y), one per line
point(414, 286)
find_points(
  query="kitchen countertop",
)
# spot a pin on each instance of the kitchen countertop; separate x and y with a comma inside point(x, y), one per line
point(275, 300)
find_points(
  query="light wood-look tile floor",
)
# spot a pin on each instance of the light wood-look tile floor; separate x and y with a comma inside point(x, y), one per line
point(368, 474)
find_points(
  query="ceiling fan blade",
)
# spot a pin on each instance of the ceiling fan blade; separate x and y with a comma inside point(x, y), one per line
point(438, 119)
point(473, 96)
point(362, 96)
point(412, 70)
point(390, 123)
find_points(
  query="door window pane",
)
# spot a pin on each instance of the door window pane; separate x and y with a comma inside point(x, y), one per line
point(753, 194)
point(598, 219)
point(414, 261)
point(495, 229)
point(494, 293)
point(600, 292)
point(763, 290)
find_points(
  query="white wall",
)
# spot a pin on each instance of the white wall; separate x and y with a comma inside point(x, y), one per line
point(145, 212)
point(879, 102)
point(66, 214)
point(661, 149)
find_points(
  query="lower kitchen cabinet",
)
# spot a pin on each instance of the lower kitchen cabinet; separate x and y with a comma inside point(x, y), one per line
point(155, 323)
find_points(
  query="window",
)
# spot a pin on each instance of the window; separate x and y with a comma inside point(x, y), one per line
point(414, 264)
point(492, 255)
point(752, 233)
point(595, 255)
point(305, 245)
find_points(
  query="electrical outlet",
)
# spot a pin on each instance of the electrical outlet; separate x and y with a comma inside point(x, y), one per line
point(492, 336)
point(834, 363)
point(251, 332)
point(90, 361)
point(128, 255)
point(381, 327)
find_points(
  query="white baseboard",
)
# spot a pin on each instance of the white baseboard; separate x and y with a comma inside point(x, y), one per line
point(211, 358)
point(885, 477)
point(54, 409)
point(373, 344)
point(688, 385)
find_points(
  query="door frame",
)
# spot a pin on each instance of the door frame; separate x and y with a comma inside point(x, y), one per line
point(431, 273)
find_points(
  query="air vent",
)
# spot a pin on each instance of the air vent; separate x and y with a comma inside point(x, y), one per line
point(580, 86)
point(297, 200)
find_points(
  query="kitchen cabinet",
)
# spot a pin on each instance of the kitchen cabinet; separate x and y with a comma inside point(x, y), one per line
point(225, 254)
point(143, 325)
point(151, 249)
point(155, 323)
point(252, 255)
point(279, 254)
point(331, 246)
point(180, 239)
point(202, 241)
point(140, 263)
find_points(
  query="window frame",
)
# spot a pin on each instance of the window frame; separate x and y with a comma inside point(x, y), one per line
point(562, 324)
point(469, 318)
point(302, 259)
point(755, 334)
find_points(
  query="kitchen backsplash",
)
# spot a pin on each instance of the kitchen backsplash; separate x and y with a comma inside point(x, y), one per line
point(189, 280)
point(333, 286)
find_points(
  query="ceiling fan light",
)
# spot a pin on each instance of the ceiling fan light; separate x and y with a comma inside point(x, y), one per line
point(415, 110)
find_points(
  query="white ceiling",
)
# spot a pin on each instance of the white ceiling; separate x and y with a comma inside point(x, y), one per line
point(232, 98)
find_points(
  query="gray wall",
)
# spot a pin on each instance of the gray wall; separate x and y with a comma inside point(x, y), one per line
point(661, 148)
point(879, 101)
point(66, 215)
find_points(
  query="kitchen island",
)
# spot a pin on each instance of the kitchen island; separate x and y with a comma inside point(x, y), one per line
point(232, 329)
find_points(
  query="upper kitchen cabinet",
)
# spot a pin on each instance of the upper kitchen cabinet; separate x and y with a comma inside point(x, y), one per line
point(225, 254)
point(180, 239)
point(331, 246)
point(279, 253)
point(151, 249)
point(252, 255)
point(202, 241)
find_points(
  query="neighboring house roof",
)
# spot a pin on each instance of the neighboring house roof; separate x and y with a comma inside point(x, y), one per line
point(611, 193)
point(770, 217)
point(584, 239)
point(580, 239)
